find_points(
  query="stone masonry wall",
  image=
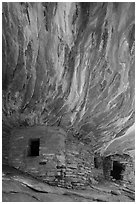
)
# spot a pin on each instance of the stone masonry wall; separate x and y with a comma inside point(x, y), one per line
point(61, 162)
point(79, 164)
point(128, 173)
point(51, 151)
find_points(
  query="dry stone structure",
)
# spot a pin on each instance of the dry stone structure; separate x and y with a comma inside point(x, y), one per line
point(48, 154)
point(68, 90)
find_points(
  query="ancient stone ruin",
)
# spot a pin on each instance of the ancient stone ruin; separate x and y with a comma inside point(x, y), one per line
point(46, 153)
point(68, 101)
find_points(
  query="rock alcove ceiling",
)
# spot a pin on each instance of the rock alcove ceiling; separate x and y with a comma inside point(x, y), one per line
point(71, 65)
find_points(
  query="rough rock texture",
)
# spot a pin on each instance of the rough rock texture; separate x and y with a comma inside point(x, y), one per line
point(59, 161)
point(18, 187)
point(70, 65)
point(128, 173)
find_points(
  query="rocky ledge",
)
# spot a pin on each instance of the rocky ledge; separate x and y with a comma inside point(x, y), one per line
point(18, 187)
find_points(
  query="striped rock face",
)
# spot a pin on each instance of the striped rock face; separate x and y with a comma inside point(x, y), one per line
point(70, 65)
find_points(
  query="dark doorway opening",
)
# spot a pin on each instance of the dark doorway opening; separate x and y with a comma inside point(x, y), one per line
point(34, 147)
point(117, 171)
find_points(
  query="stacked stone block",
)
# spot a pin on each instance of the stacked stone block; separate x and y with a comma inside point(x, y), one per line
point(61, 162)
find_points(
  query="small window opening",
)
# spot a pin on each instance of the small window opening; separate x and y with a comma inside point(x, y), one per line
point(117, 172)
point(34, 147)
point(96, 165)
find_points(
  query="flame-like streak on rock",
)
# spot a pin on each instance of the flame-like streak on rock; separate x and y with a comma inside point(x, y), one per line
point(70, 65)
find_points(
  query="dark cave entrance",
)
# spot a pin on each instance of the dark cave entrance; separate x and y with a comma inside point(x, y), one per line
point(117, 172)
point(34, 147)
